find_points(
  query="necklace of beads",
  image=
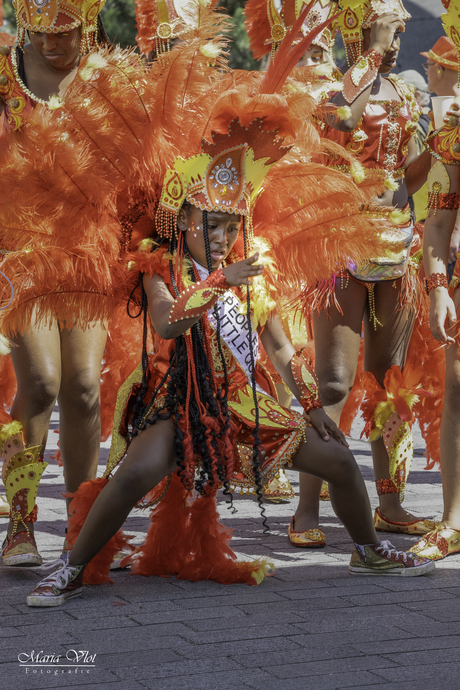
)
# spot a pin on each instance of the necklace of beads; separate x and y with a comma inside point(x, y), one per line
point(27, 91)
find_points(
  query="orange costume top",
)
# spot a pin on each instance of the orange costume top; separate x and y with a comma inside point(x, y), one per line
point(381, 137)
point(380, 143)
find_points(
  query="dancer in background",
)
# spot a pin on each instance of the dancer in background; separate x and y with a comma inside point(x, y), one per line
point(63, 254)
point(374, 118)
point(444, 198)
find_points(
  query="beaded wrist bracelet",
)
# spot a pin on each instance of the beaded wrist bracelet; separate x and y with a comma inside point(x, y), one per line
point(435, 280)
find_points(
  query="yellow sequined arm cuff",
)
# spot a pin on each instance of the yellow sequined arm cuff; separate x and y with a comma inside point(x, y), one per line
point(306, 382)
point(197, 299)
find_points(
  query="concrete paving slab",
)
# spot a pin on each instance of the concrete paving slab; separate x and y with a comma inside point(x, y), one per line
point(312, 625)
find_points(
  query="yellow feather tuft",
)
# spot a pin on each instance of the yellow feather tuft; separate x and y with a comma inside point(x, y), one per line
point(324, 70)
point(146, 244)
point(5, 346)
point(9, 430)
point(266, 569)
point(211, 50)
point(358, 171)
point(344, 112)
point(54, 102)
point(262, 301)
point(391, 184)
point(95, 61)
point(399, 217)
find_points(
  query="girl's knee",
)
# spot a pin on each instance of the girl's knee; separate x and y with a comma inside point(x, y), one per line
point(344, 466)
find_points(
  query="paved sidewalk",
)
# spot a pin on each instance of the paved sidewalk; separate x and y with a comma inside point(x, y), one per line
point(311, 626)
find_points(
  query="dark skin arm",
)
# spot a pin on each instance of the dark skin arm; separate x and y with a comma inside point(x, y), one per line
point(280, 352)
point(436, 241)
point(417, 168)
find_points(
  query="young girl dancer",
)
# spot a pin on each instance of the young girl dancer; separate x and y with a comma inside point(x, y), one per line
point(204, 411)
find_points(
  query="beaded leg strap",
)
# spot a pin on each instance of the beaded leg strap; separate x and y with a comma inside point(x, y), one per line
point(386, 486)
point(21, 474)
point(306, 381)
point(361, 75)
point(198, 298)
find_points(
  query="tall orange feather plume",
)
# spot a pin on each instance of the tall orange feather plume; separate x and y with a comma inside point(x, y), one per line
point(289, 53)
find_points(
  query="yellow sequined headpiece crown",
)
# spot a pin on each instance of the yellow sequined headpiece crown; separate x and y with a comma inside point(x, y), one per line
point(226, 176)
point(57, 16)
point(451, 24)
point(360, 14)
point(278, 19)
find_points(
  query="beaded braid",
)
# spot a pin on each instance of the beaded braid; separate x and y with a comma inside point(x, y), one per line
point(141, 410)
point(102, 36)
point(257, 441)
point(222, 394)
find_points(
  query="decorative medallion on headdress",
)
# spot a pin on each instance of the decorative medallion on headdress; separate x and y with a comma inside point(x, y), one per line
point(451, 24)
point(161, 21)
point(268, 21)
point(360, 14)
point(57, 16)
point(226, 176)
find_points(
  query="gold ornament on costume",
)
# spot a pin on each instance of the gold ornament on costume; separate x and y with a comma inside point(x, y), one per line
point(438, 183)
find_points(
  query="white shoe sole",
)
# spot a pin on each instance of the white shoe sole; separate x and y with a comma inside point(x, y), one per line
point(394, 572)
point(24, 559)
point(41, 601)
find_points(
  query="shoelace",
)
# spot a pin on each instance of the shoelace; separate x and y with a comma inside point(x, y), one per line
point(54, 565)
point(60, 576)
point(386, 548)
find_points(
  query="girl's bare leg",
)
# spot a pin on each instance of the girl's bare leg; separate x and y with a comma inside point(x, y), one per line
point(79, 402)
point(384, 346)
point(37, 365)
point(334, 462)
point(150, 458)
point(337, 340)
